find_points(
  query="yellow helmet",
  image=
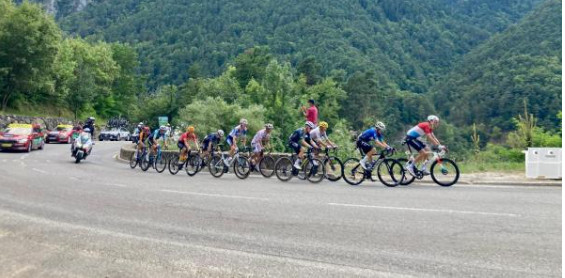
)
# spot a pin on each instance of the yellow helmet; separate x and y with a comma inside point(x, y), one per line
point(323, 124)
point(190, 129)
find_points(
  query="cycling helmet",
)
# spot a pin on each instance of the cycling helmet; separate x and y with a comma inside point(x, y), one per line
point(190, 129)
point(162, 127)
point(310, 124)
point(220, 132)
point(323, 124)
point(146, 129)
point(243, 121)
point(87, 130)
point(140, 123)
point(380, 125)
point(269, 126)
point(433, 118)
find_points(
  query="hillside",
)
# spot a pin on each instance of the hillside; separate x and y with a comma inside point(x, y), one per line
point(492, 81)
point(409, 44)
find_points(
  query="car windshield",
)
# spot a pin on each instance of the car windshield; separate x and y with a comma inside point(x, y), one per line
point(18, 130)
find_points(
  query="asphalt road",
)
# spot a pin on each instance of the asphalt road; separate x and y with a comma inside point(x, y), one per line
point(99, 218)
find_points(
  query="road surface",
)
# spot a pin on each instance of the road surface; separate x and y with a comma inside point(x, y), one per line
point(100, 218)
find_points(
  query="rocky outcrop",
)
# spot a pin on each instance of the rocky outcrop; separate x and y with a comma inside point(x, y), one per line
point(45, 122)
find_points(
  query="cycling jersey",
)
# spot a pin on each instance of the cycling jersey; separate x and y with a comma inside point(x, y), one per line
point(143, 136)
point(260, 136)
point(299, 134)
point(238, 131)
point(317, 134)
point(188, 136)
point(419, 130)
point(157, 135)
point(371, 134)
point(212, 138)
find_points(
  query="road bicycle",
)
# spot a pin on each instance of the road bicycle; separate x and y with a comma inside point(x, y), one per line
point(387, 170)
point(192, 164)
point(136, 157)
point(266, 165)
point(443, 171)
point(332, 165)
point(309, 168)
point(239, 162)
point(154, 160)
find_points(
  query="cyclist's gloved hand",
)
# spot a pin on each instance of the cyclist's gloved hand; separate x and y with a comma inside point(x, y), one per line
point(389, 149)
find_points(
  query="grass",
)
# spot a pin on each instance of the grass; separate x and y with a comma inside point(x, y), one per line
point(471, 166)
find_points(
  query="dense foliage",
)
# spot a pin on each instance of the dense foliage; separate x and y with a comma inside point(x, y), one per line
point(408, 44)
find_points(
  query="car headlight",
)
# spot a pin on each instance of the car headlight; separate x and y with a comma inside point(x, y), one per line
point(22, 141)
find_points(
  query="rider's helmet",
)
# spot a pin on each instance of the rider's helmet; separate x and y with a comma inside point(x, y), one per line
point(243, 122)
point(324, 125)
point(220, 133)
point(310, 124)
point(380, 125)
point(190, 129)
point(146, 129)
point(433, 119)
point(162, 128)
point(269, 126)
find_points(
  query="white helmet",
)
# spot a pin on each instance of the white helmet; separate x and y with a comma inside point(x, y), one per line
point(433, 118)
point(220, 132)
point(310, 124)
point(269, 126)
point(380, 125)
point(162, 127)
point(243, 122)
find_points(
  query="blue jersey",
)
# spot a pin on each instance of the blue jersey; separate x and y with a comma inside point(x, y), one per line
point(157, 135)
point(299, 134)
point(238, 131)
point(371, 134)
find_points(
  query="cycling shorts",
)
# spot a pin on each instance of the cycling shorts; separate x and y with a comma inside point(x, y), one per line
point(415, 143)
point(229, 140)
point(181, 145)
point(294, 146)
point(364, 146)
point(257, 148)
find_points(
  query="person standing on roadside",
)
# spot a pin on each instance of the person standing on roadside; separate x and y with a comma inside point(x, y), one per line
point(311, 114)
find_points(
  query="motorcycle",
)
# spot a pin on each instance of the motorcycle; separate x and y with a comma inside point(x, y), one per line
point(82, 147)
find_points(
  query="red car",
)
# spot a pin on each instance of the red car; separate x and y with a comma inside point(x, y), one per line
point(62, 134)
point(22, 137)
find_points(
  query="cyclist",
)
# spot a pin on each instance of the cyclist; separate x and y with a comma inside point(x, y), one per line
point(364, 143)
point(211, 141)
point(159, 134)
point(237, 132)
point(183, 142)
point(319, 136)
point(300, 140)
point(263, 135)
point(412, 139)
point(143, 139)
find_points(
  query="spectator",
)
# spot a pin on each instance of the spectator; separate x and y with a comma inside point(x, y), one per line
point(311, 113)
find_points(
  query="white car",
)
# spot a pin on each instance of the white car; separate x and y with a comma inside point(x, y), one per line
point(115, 134)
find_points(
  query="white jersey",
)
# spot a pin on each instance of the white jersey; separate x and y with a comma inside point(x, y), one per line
point(260, 136)
point(317, 134)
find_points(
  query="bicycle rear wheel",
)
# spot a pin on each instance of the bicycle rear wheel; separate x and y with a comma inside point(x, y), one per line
point(160, 164)
point(390, 172)
point(333, 168)
point(242, 167)
point(408, 178)
point(444, 172)
point(353, 173)
point(216, 166)
point(174, 164)
point(133, 160)
point(267, 166)
point(283, 169)
point(314, 171)
point(193, 164)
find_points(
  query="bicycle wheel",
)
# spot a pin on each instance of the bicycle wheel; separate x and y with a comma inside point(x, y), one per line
point(445, 172)
point(193, 164)
point(267, 166)
point(314, 171)
point(283, 169)
point(133, 160)
point(353, 173)
point(333, 168)
point(160, 164)
point(390, 172)
point(216, 166)
point(408, 179)
point(242, 167)
point(145, 162)
point(174, 164)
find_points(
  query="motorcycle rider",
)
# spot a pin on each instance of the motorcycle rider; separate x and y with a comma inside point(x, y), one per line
point(85, 139)
point(90, 125)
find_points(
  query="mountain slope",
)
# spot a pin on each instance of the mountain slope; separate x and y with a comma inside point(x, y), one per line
point(408, 43)
point(492, 81)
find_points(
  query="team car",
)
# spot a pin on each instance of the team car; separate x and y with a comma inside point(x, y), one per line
point(61, 134)
point(22, 137)
point(115, 134)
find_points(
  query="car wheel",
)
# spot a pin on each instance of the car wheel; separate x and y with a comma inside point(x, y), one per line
point(69, 140)
point(119, 138)
point(29, 147)
point(42, 145)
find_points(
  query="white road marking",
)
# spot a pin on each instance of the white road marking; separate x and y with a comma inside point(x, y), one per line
point(215, 195)
point(24, 156)
point(39, 170)
point(427, 210)
point(116, 184)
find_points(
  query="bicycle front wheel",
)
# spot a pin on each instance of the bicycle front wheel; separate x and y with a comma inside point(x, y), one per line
point(333, 168)
point(193, 164)
point(314, 171)
point(160, 164)
point(267, 166)
point(283, 169)
point(145, 162)
point(174, 164)
point(216, 166)
point(353, 173)
point(133, 160)
point(390, 172)
point(445, 172)
point(241, 167)
point(408, 179)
